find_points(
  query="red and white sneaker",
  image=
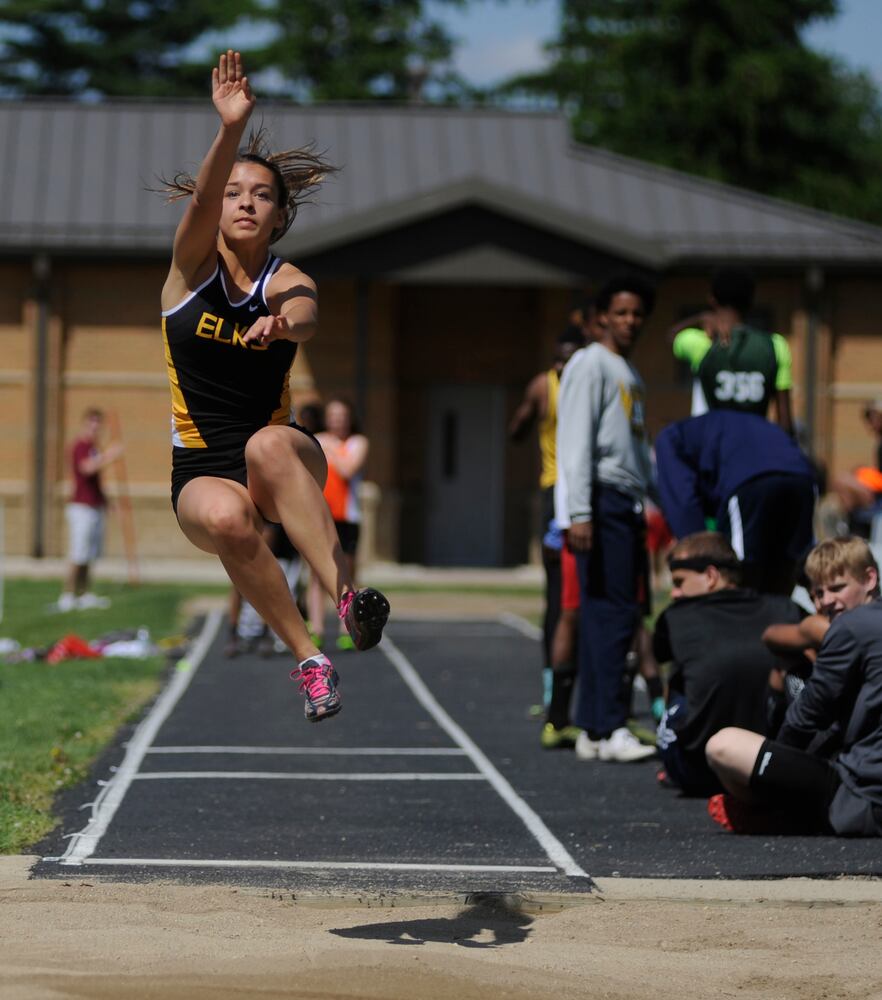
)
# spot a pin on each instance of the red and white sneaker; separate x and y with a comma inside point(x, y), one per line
point(318, 682)
point(364, 613)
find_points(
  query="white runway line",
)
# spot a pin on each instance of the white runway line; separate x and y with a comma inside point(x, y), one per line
point(318, 751)
point(310, 776)
point(555, 850)
point(84, 843)
point(453, 630)
point(521, 625)
point(315, 865)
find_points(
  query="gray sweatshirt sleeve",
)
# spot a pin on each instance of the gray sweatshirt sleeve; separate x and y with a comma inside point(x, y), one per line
point(834, 680)
point(578, 415)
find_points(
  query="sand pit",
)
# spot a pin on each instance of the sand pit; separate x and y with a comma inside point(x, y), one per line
point(79, 938)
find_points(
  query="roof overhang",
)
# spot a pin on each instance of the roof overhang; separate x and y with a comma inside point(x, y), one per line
point(476, 192)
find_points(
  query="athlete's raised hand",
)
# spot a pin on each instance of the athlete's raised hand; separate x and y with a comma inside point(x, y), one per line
point(265, 330)
point(229, 89)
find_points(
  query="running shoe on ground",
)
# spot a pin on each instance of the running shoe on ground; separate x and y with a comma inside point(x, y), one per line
point(364, 613)
point(586, 748)
point(563, 738)
point(741, 817)
point(664, 779)
point(318, 682)
point(623, 747)
point(92, 602)
point(643, 733)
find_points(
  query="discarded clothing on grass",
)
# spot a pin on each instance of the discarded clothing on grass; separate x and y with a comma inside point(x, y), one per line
point(132, 644)
point(72, 647)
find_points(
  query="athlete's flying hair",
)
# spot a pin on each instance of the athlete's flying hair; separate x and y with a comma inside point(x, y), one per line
point(298, 174)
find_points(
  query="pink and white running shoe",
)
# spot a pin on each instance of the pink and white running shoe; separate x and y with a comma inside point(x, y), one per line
point(318, 682)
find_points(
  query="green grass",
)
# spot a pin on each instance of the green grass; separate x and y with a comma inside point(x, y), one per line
point(55, 720)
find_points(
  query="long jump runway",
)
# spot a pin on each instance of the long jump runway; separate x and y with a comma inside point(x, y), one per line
point(430, 779)
point(225, 779)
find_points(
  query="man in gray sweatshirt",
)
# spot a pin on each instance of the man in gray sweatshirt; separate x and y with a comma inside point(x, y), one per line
point(604, 466)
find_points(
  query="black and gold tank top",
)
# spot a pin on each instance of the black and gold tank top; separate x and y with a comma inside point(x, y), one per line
point(223, 390)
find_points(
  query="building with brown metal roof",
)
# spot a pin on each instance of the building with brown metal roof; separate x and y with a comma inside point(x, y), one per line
point(449, 251)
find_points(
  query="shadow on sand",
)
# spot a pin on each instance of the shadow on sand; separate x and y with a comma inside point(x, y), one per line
point(494, 919)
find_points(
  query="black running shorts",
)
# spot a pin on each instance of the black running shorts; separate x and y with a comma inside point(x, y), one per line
point(191, 463)
point(785, 776)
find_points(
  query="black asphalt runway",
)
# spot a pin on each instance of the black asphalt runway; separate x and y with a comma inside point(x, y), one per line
point(430, 779)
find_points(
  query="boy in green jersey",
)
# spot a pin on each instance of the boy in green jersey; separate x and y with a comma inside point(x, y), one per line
point(737, 367)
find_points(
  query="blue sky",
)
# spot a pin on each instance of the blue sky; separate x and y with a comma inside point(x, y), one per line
point(498, 39)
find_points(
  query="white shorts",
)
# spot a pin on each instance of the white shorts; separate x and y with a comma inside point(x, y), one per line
point(85, 526)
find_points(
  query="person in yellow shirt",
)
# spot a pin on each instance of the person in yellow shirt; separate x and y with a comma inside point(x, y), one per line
point(539, 407)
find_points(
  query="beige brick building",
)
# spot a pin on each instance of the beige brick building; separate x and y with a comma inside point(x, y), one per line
point(448, 252)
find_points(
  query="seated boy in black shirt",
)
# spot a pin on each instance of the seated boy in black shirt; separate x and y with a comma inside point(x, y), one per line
point(712, 635)
point(773, 782)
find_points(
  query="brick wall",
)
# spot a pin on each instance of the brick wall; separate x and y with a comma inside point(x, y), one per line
point(856, 369)
point(105, 349)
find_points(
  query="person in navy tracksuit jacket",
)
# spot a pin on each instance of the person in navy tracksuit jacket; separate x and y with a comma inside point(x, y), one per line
point(748, 475)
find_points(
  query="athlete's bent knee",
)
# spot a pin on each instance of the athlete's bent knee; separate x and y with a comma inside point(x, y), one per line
point(228, 523)
point(269, 450)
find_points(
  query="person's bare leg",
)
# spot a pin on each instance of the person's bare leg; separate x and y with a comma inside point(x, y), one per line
point(234, 607)
point(563, 668)
point(731, 754)
point(563, 642)
point(77, 582)
point(218, 516)
point(648, 666)
point(350, 562)
point(649, 671)
point(315, 605)
point(286, 473)
point(74, 581)
point(231, 648)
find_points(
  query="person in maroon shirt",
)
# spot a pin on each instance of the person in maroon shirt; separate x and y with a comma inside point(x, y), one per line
point(85, 512)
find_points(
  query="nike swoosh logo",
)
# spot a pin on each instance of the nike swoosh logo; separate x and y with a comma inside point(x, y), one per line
point(254, 307)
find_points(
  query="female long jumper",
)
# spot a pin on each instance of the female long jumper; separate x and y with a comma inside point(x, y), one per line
point(233, 316)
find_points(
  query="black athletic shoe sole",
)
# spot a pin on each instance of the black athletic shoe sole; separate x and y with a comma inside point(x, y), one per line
point(331, 712)
point(366, 618)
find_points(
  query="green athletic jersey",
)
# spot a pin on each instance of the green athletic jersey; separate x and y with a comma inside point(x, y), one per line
point(742, 375)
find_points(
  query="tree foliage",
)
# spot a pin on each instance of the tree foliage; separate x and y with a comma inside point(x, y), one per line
point(723, 88)
point(320, 49)
point(353, 50)
point(114, 48)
